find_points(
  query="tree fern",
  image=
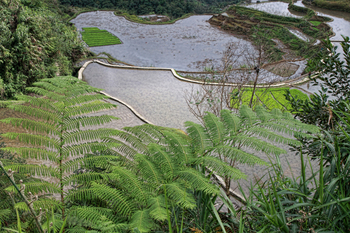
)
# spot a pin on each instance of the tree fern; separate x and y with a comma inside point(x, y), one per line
point(56, 135)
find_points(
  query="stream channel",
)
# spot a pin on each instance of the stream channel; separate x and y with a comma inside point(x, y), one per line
point(157, 95)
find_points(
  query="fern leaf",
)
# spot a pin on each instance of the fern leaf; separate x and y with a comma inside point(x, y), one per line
point(147, 169)
point(83, 121)
point(132, 140)
point(35, 140)
point(271, 136)
point(87, 135)
point(247, 115)
point(231, 122)
point(220, 167)
point(197, 181)
point(115, 198)
point(35, 112)
point(131, 183)
point(33, 170)
point(163, 160)
point(215, 128)
point(89, 107)
point(180, 195)
point(157, 209)
point(97, 161)
point(256, 144)
point(41, 203)
point(178, 146)
point(142, 221)
point(198, 137)
point(33, 153)
point(239, 155)
point(86, 148)
point(84, 98)
point(32, 125)
point(37, 187)
point(262, 114)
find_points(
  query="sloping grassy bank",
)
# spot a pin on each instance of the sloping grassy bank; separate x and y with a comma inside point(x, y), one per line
point(337, 5)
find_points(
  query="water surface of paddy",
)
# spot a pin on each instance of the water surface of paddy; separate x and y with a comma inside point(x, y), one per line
point(184, 45)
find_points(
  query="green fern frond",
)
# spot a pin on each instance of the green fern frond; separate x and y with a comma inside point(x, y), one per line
point(257, 145)
point(83, 194)
point(231, 121)
point(37, 187)
point(4, 214)
point(123, 149)
point(197, 181)
point(179, 146)
point(143, 134)
point(263, 114)
point(199, 138)
point(41, 203)
point(132, 140)
point(148, 169)
point(157, 209)
point(35, 112)
point(33, 170)
point(276, 113)
point(131, 183)
point(33, 153)
point(51, 95)
point(90, 107)
point(39, 102)
point(32, 125)
point(163, 160)
point(239, 155)
point(83, 121)
point(49, 86)
point(271, 136)
point(115, 199)
point(35, 140)
point(94, 215)
point(215, 128)
point(86, 148)
point(179, 194)
point(247, 115)
point(89, 177)
point(84, 98)
point(87, 135)
point(220, 167)
point(98, 161)
point(142, 221)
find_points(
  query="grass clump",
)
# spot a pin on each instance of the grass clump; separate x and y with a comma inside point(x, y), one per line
point(316, 23)
point(95, 37)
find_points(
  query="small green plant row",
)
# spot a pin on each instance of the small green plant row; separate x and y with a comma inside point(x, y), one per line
point(136, 19)
point(95, 37)
point(271, 98)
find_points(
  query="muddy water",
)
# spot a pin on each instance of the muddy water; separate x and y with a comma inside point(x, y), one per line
point(182, 45)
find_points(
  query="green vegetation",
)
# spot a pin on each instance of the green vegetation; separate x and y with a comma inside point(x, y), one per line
point(271, 97)
point(136, 19)
point(262, 27)
point(316, 23)
point(338, 5)
point(35, 43)
point(96, 37)
point(171, 8)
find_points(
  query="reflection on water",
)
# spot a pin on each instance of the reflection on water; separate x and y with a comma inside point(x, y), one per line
point(183, 45)
point(276, 8)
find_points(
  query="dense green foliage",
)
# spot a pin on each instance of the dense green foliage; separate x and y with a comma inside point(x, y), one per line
point(34, 44)
point(173, 8)
point(96, 37)
point(333, 72)
point(338, 5)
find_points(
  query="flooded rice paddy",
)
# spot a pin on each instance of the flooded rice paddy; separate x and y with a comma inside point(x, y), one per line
point(187, 44)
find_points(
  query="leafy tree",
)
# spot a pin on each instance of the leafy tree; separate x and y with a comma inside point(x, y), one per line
point(333, 76)
point(34, 44)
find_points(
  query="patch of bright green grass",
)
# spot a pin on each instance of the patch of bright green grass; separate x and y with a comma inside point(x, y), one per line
point(316, 23)
point(96, 37)
point(271, 98)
